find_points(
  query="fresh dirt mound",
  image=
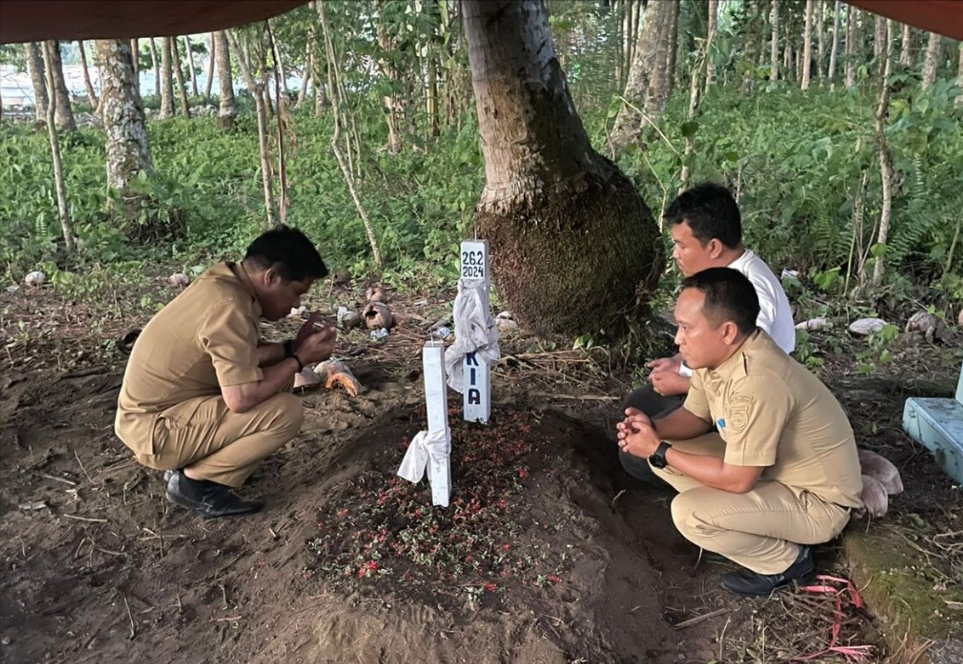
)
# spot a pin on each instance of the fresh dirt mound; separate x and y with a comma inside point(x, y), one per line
point(98, 566)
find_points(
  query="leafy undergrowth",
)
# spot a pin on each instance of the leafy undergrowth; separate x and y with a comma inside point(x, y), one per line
point(380, 529)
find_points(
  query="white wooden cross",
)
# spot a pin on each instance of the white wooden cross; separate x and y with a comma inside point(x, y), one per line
point(436, 400)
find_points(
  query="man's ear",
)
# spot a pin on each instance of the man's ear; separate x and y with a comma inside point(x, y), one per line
point(730, 332)
point(271, 276)
point(715, 247)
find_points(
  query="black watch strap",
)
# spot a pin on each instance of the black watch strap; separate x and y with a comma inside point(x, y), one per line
point(289, 352)
point(658, 459)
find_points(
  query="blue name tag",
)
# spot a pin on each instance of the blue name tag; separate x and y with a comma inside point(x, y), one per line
point(721, 423)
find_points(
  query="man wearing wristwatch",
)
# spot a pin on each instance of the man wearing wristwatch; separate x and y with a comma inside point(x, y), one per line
point(780, 473)
point(203, 396)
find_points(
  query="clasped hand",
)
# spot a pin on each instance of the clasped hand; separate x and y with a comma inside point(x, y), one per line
point(665, 376)
point(637, 434)
point(315, 344)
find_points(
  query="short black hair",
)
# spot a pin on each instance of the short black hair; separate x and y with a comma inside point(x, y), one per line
point(711, 212)
point(730, 296)
point(288, 251)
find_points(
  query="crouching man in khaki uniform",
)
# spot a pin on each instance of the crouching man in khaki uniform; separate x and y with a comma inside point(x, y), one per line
point(782, 471)
point(203, 397)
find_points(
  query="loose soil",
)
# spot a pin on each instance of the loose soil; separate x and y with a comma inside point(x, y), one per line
point(549, 552)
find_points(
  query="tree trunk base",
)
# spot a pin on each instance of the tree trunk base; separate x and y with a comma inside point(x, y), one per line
point(580, 259)
point(225, 122)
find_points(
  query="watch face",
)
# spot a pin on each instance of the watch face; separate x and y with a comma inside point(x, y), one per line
point(657, 461)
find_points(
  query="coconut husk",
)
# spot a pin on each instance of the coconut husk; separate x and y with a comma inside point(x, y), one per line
point(306, 378)
point(377, 315)
point(874, 497)
point(335, 372)
point(882, 470)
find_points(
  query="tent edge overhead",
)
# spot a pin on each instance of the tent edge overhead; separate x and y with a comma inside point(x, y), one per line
point(39, 20)
point(944, 17)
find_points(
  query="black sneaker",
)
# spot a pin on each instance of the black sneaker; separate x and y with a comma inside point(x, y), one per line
point(209, 499)
point(747, 583)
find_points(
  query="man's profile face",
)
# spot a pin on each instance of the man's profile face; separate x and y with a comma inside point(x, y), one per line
point(701, 343)
point(280, 296)
point(688, 252)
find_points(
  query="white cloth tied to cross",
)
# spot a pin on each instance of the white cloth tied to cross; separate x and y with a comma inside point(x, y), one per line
point(475, 331)
point(425, 447)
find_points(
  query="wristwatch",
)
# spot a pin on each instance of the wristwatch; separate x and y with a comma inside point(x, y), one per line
point(289, 352)
point(658, 457)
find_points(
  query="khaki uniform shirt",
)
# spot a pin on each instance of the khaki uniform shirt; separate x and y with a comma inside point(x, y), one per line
point(772, 412)
point(204, 338)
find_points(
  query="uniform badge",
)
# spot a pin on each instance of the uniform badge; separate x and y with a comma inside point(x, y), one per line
point(737, 413)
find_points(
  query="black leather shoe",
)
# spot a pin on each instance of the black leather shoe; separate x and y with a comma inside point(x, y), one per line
point(747, 583)
point(208, 499)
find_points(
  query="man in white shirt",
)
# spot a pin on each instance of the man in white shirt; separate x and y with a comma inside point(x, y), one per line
point(706, 229)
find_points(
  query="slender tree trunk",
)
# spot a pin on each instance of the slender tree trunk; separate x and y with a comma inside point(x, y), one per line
point(931, 63)
point(555, 212)
point(431, 100)
point(34, 57)
point(394, 110)
point(190, 65)
point(959, 76)
point(306, 72)
point(644, 94)
point(852, 16)
point(710, 34)
point(179, 75)
point(211, 62)
point(65, 116)
point(91, 96)
point(831, 75)
point(882, 150)
point(157, 72)
point(135, 60)
point(336, 90)
point(807, 54)
point(256, 88)
point(51, 57)
point(227, 110)
point(774, 46)
point(128, 152)
point(167, 83)
point(669, 59)
point(906, 44)
point(821, 41)
point(879, 35)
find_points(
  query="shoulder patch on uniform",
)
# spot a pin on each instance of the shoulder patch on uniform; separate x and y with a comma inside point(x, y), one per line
point(737, 413)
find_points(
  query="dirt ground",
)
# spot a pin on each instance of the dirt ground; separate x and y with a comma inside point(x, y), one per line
point(549, 552)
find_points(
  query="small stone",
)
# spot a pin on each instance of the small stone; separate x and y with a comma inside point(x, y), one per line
point(866, 326)
point(814, 324)
point(35, 279)
point(178, 280)
point(5, 641)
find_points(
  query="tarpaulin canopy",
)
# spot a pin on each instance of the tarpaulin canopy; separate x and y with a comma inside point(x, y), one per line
point(36, 20)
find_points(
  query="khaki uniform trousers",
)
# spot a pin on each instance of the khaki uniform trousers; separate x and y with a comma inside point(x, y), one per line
point(761, 529)
point(217, 444)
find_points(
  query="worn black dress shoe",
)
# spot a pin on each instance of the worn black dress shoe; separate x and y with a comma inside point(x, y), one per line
point(209, 499)
point(747, 583)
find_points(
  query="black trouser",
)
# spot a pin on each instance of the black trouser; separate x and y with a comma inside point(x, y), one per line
point(656, 406)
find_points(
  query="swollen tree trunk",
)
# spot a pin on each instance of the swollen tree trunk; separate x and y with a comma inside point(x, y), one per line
point(211, 60)
point(932, 60)
point(831, 75)
point(644, 94)
point(882, 150)
point(128, 152)
point(34, 57)
point(774, 45)
point(51, 58)
point(710, 34)
point(905, 46)
point(572, 242)
point(227, 109)
point(167, 84)
point(65, 116)
point(851, 18)
point(807, 54)
point(190, 65)
point(179, 75)
point(91, 97)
